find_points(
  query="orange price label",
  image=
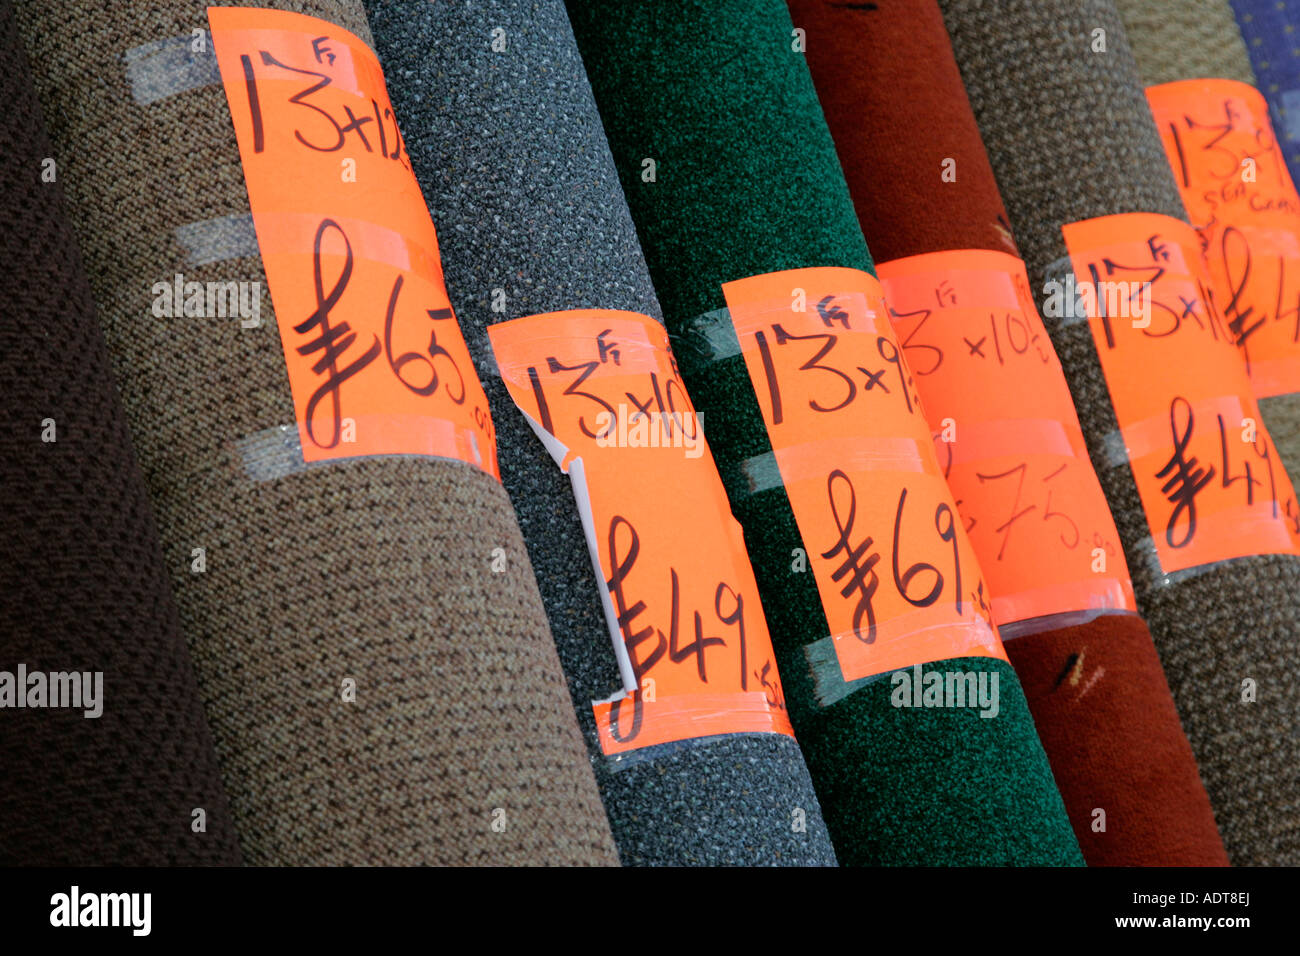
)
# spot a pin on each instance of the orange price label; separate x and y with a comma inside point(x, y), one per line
point(375, 358)
point(1239, 194)
point(1006, 434)
point(897, 577)
point(1209, 477)
point(678, 588)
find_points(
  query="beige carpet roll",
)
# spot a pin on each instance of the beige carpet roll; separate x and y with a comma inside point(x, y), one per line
point(1185, 39)
point(403, 577)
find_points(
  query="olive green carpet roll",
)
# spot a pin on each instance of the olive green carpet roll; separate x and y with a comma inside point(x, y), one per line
point(377, 691)
point(1185, 40)
point(1064, 118)
point(730, 172)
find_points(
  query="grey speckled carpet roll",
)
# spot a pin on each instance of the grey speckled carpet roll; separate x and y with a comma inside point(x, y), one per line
point(1192, 40)
point(378, 569)
point(512, 158)
point(82, 586)
point(1070, 137)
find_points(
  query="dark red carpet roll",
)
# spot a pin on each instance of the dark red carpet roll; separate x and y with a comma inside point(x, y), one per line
point(921, 183)
point(1107, 720)
point(898, 114)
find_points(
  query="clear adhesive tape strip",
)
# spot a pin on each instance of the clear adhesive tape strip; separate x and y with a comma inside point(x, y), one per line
point(829, 683)
point(219, 239)
point(1051, 622)
point(776, 469)
point(981, 440)
point(1060, 301)
point(706, 339)
point(163, 68)
point(276, 452)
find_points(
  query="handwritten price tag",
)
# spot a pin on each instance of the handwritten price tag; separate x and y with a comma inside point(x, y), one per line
point(1210, 480)
point(375, 357)
point(1238, 193)
point(898, 580)
point(1006, 433)
point(676, 577)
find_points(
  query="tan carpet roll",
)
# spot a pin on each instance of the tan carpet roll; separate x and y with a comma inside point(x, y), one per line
point(378, 570)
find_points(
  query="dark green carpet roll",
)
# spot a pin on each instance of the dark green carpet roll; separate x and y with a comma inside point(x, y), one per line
point(713, 100)
point(1070, 137)
point(509, 150)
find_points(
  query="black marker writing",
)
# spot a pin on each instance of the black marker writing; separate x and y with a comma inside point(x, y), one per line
point(331, 341)
point(1186, 479)
point(859, 561)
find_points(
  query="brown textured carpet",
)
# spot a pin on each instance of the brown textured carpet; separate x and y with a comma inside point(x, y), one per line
point(1096, 690)
point(82, 585)
point(1070, 137)
point(377, 569)
point(1192, 40)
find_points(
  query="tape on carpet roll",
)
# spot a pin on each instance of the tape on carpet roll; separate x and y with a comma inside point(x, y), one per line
point(729, 172)
point(921, 183)
point(1176, 40)
point(507, 143)
point(114, 766)
point(1233, 622)
point(1184, 39)
point(367, 634)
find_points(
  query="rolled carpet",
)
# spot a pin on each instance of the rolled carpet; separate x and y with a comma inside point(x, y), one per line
point(367, 633)
point(729, 172)
point(120, 770)
point(1070, 137)
point(1185, 39)
point(1114, 743)
point(1192, 40)
point(1268, 28)
point(509, 150)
